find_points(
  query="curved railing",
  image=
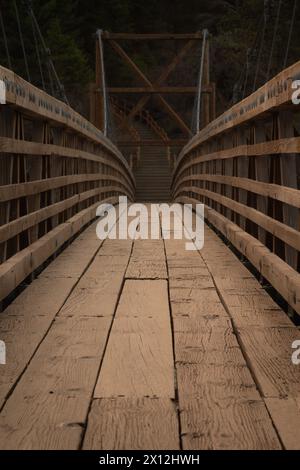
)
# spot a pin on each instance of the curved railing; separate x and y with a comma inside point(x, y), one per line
point(55, 168)
point(245, 167)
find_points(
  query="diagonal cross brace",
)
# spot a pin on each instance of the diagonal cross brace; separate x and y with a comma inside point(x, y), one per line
point(169, 109)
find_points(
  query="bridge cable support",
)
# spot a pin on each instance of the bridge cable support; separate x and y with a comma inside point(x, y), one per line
point(47, 51)
point(199, 93)
point(103, 81)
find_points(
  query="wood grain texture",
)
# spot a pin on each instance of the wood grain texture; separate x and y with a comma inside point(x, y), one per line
point(214, 423)
point(217, 395)
point(25, 322)
point(275, 93)
point(132, 424)
point(285, 413)
point(284, 232)
point(47, 107)
point(269, 351)
point(17, 268)
point(263, 149)
point(147, 260)
point(49, 405)
point(139, 359)
point(280, 275)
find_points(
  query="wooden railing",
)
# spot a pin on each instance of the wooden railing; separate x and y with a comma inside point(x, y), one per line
point(55, 168)
point(144, 116)
point(134, 152)
point(245, 167)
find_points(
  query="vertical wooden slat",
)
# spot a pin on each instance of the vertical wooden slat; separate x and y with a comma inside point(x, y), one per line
point(262, 174)
point(288, 167)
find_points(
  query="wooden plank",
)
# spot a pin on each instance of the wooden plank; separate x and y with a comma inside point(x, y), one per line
point(18, 267)
point(285, 413)
point(289, 177)
point(151, 36)
point(49, 405)
point(24, 323)
point(152, 143)
point(103, 280)
point(269, 351)
point(8, 145)
point(284, 194)
point(20, 224)
point(247, 302)
point(219, 423)
point(278, 146)
point(275, 93)
point(132, 424)
point(282, 277)
point(147, 260)
point(26, 96)
point(156, 89)
point(283, 232)
point(220, 407)
point(139, 359)
point(14, 191)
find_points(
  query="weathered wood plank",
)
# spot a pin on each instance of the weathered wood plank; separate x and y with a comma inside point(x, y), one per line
point(285, 413)
point(282, 277)
point(275, 93)
point(284, 232)
point(284, 194)
point(49, 405)
point(220, 406)
point(25, 322)
point(269, 351)
point(132, 424)
point(17, 268)
point(147, 260)
point(216, 423)
point(139, 359)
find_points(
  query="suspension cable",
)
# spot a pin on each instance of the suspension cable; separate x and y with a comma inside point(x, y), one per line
point(104, 90)
point(5, 39)
point(266, 4)
point(199, 94)
point(290, 34)
point(274, 38)
point(22, 39)
point(240, 84)
point(50, 63)
point(38, 54)
point(247, 72)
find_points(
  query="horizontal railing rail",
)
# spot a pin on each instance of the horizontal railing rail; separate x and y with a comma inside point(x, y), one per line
point(55, 169)
point(245, 167)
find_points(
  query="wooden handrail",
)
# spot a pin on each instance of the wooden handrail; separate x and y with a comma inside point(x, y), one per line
point(55, 169)
point(243, 167)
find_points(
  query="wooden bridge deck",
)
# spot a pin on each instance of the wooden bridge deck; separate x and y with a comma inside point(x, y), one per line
point(144, 345)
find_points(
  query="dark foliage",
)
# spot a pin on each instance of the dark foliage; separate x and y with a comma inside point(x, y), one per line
point(69, 27)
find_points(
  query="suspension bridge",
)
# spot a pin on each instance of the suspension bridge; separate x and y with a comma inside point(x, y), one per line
point(141, 344)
